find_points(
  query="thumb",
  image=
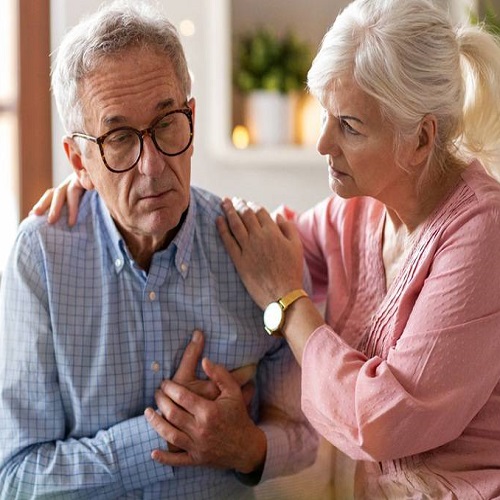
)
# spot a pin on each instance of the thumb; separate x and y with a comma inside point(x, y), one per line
point(220, 376)
point(288, 228)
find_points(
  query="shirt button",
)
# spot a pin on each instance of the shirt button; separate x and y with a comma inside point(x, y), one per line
point(152, 296)
point(184, 267)
point(155, 366)
point(118, 263)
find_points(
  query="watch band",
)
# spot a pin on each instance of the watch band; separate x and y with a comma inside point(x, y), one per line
point(288, 299)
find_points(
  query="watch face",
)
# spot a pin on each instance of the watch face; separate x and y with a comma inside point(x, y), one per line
point(273, 316)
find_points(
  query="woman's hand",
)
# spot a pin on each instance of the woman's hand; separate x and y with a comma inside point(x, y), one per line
point(68, 192)
point(268, 255)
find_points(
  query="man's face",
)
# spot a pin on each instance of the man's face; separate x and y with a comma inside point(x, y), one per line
point(147, 202)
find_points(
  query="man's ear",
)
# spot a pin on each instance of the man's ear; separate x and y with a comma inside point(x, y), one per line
point(426, 139)
point(192, 105)
point(75, 157)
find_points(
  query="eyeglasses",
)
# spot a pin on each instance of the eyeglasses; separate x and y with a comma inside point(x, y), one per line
point(121, 148)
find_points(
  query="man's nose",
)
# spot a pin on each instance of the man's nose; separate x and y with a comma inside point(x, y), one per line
point(152, 161)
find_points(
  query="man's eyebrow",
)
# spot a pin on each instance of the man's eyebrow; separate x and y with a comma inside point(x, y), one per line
point(165, 104)
point(117, 120)
point(113, 120)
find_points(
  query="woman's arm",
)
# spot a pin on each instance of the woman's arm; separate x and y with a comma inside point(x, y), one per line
point(269, 258)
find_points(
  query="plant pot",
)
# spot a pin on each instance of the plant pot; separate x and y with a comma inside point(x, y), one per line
point(270, 118)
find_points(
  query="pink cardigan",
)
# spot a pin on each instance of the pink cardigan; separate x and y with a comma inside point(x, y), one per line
point(406, 380)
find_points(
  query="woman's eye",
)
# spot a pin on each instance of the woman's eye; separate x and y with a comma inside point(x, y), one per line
point(344, 124)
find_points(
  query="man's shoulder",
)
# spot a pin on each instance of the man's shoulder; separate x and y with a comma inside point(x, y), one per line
point(38, 224)
point(207, 204)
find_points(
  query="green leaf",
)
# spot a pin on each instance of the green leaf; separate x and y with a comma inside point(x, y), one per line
point(265, 61)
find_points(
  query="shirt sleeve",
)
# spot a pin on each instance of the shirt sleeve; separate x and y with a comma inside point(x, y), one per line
point(441, 371)
point(291, 441)
point(36, 455)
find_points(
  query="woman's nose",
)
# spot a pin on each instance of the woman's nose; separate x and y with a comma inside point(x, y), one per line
point(327, 143)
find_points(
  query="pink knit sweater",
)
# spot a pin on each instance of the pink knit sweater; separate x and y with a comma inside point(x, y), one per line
point(406, 380)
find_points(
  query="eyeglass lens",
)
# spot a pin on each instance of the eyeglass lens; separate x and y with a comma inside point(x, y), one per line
point(122, 148)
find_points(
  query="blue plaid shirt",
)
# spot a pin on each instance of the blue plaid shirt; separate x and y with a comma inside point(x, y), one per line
point(85, 339)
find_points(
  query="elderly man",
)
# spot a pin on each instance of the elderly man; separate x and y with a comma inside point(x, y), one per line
point(95, 318)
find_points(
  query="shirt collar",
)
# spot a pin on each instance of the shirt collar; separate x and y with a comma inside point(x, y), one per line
point(182, 243)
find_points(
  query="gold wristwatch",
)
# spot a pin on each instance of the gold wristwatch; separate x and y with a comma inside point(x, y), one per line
point(274, 313)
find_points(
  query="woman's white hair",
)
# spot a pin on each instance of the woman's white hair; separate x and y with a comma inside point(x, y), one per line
point(413, 61)
point(114, 28)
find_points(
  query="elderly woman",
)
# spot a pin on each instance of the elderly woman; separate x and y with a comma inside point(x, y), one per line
point(404, 375)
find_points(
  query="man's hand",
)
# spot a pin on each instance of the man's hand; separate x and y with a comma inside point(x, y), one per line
point(216, 433)
point(186, 373)
point(186, 376)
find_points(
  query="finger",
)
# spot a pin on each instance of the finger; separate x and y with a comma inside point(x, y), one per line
point(43, 204)
point(174, 459)
point(73, 197)
point(174, 414)
point(187, 367)
point(247, 214)
point(166, 430)
point(221, 377)
point(289, 229)
point(244, 374)
point(230, 243)
point(262, 215)
point(236, 226)
point(58, 201)
point(248, 392)
point(183, 397)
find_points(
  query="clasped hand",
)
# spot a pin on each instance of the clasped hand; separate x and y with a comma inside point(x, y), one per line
point(207, 422)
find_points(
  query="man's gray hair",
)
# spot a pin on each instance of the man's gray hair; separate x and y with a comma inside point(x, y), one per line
point(114, 28)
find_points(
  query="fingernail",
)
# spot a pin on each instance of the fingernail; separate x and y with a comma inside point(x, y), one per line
point(149, 414)
point(196, 337)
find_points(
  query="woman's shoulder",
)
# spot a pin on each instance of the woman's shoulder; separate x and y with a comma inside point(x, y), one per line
point(482, 185)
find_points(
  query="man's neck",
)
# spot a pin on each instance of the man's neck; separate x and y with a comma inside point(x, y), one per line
point(143, 247)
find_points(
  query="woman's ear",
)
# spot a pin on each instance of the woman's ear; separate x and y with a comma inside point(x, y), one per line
point(75, 157)
point(426, 139)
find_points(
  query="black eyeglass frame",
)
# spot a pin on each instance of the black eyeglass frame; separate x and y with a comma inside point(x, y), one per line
point(140, 133)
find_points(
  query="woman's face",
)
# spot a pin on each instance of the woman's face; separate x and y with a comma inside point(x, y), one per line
point(359, 145)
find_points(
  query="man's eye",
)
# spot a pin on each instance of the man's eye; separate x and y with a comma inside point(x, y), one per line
point(121, 137)
point(165, 123)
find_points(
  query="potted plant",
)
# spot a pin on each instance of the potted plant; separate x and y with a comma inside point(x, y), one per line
point(270, 70)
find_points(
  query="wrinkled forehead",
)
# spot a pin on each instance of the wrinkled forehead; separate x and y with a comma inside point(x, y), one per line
point(133, 83)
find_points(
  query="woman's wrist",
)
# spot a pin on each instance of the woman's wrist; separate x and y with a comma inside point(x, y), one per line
point(302, 319)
